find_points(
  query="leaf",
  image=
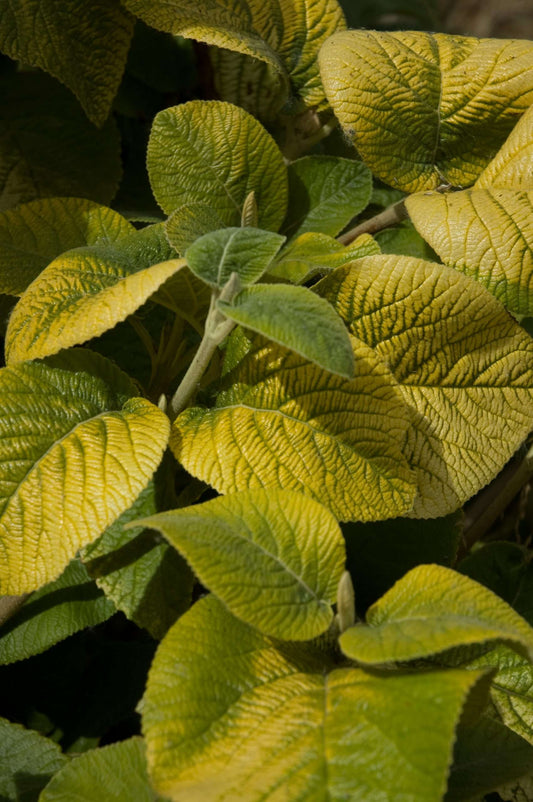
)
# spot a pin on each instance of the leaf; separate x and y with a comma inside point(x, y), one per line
point(215, 154)
point(75, 452)
point(228, 715)
point(424, 109)
point(53, 613)
point(145, 578)
point(87, 291)
point(84, 45)
point(312, 253)
point(511, 166)
point(429, 610)
point(187, 223)
point(485, 233)
point(35, 233)
point(245, 251)
point(256, 86)
point(404, 239)
point(325, 193)
point(284, 422)
point(298, 319)
point(49, 148)
point(187, 296)
point(27, 761)
point(115, 772)
point(274, 558)
point(463, 366)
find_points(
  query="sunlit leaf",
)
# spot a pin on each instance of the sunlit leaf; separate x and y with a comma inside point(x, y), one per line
point(425, 109)
point(463, 365)
point(512, 166)
point(187, 223)
point(27, 761)
point(312, 253)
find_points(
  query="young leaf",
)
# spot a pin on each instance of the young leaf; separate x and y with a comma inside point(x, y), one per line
point(27, 761)
point(84, 45)
point(274, 724)
point(512, 166)
point(87, 291)
point(80, 449)
point(273, 557)
point(33, 234)
point(287, 423)
point(51, 614)
point(422, 108)
point(246, 251)
point(216, 154)
point(187, 223)
point(325, 193)
point(429, 610)
point(485, 233)
point(298, 319)
point(463, 366)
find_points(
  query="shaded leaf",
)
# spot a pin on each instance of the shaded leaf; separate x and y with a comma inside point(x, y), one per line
point(403, 239)
point(312, 253)
point(511, 167)
point(27, 761)
point(187, 296)
point(256, 86)
point(425, 109)
point(187, 223)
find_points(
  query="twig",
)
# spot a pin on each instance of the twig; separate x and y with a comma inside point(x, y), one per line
point(388, 217)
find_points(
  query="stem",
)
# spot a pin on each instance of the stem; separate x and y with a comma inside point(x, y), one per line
point(9, 605)
point(388, 217)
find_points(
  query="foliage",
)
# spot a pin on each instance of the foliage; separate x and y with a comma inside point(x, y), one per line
point(225, 403)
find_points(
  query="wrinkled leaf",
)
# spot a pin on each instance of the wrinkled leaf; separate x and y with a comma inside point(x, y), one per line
point(274, 558)
point(256, 86)
point(312, 253)
point(425, 109)
point(27, 761)
point(187, 223)
point(512, 166)
point(187, 296)
point(298, 319)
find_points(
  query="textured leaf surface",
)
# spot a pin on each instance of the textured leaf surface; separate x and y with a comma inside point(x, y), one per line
point(429, 610)
point(312, 253)
point(273, 557)
point(284, 422)
point(51, 614)
point(116, 772)
point(512, 166)
point(187, 223)
point(32, 235)
point(145, 578)
point(227, 715)
point(186, 295)
point(463, 366)
point(485, 233)
point(425, 109)
point(87, 291)
point(325, 193)
point(49, 148)
point(298, 319)
point(256, 86)
point(27, 761)
point(75, 452)
point(82, 44)
point(245, 251)
point(215, 154)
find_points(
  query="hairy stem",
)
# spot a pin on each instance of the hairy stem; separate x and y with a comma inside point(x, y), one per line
point(388, 217)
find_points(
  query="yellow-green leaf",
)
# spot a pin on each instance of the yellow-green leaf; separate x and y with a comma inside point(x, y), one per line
point(187, 223)
point(186, 295)
point(512, 166)
point(76, 449)
point(87, 291)
point(215, 154)
point(432, 609)
point(485, 233)
point(463, 365)
point(82, 44)
point(425, 109)
point(312, 253)
point(257, 86)
point(226, 715)
point(284, 422)
point(274, 557)
point(35, 233)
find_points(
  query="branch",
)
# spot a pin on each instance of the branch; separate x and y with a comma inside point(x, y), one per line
point(388, 217)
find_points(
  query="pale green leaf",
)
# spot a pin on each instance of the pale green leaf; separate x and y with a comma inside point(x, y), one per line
point(312, 253)
point(486, 234)
point(325, 193)
point(76, 449)
point(215, 154)
point(49, 148)
point(425, 109)
point(33, 234)
point(298, 319)
point(246, 251)
point(284, 422)
point(274, 557)
point(144, 577)
point(512, 166)
point(463, 365)
point(87, 291)
point(187, 223)
point(117, 772)
point(82, 44)
point(226, 715)
point(51, 614)
point(432, 609)
point(27, 761)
